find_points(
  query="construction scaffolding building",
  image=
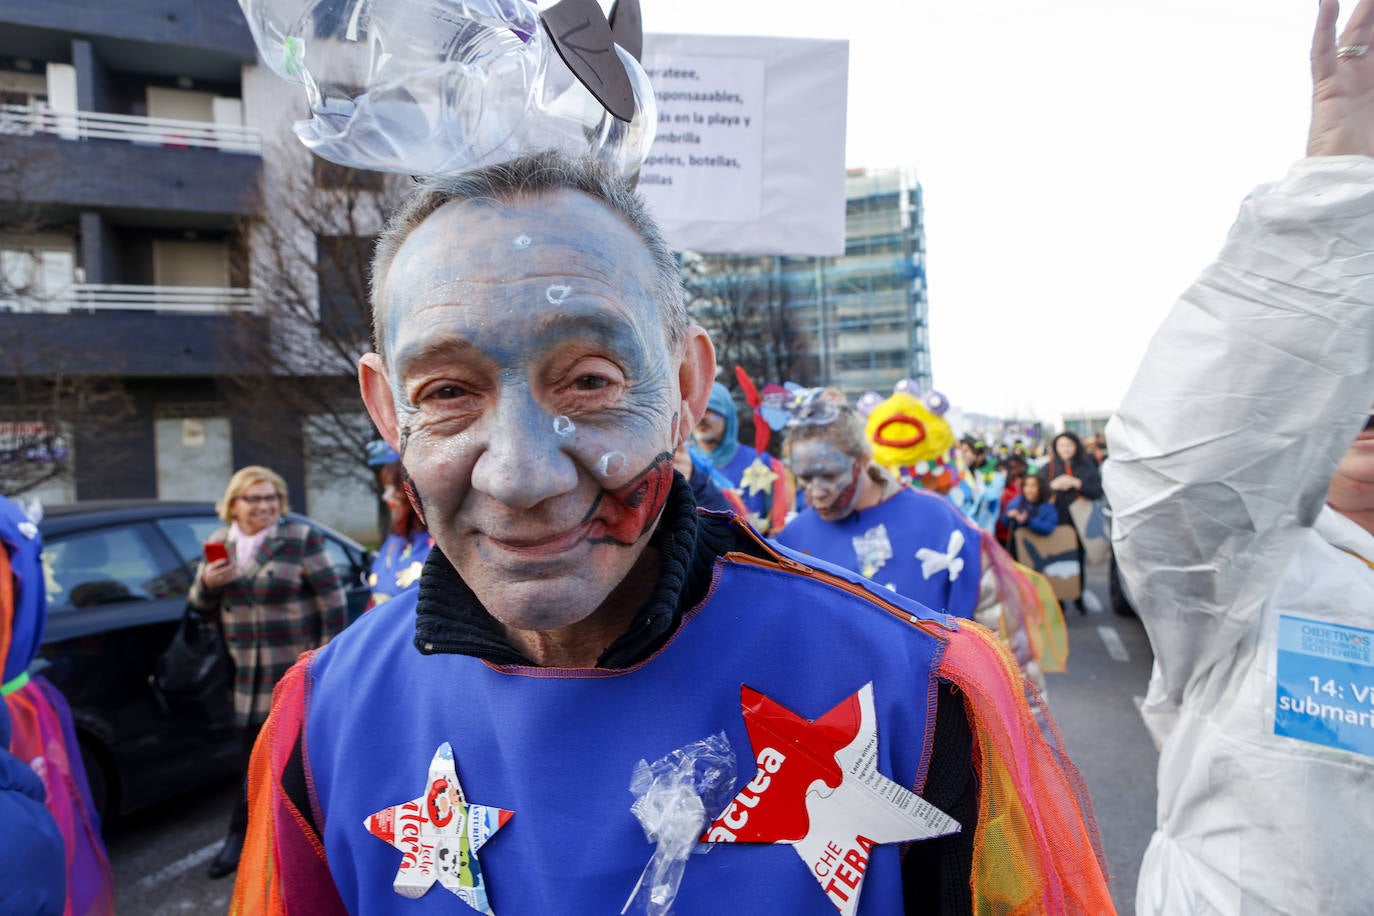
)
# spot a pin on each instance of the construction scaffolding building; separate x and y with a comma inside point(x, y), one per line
point(858, 321)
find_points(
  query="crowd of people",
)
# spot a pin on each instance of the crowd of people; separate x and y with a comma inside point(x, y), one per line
point(586, 570)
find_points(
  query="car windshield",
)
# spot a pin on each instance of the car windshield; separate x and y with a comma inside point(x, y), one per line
point(101, 567)
point(188, 534)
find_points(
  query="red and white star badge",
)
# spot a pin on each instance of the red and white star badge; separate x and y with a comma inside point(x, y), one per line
point(818, 789)
point(439, 835)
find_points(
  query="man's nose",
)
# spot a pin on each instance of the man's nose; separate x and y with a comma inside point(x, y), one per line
point(522, 463)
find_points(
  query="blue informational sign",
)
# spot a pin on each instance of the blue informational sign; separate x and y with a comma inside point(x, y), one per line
point(1325, 684)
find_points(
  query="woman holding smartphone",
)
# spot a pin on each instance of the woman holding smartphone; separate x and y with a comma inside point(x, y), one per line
point(276, 594)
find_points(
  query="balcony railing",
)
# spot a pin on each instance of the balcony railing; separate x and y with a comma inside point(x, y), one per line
point(26, 120)
point(99, 297)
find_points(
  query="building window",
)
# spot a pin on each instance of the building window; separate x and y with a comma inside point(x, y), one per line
point(343, 269)
point(36, 273)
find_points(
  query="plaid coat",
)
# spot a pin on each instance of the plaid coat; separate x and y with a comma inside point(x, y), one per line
point(290, 602)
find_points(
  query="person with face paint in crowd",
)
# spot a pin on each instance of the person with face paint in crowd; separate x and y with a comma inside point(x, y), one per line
point(760, 480)
point(402, 555)
point(1241, 481)
point(861, 517)
point(535, 370)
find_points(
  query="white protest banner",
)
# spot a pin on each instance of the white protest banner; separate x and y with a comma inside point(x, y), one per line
point(749, 154)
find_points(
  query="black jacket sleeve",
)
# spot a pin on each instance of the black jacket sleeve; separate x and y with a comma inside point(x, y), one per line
point(936, 873)
point(1087, 472)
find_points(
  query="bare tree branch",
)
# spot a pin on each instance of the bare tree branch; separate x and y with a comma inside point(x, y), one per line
point(744, 304)
point(312, 235)
point(45, 396)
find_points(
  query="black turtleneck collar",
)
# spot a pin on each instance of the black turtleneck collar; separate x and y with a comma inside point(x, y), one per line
point(449, 618)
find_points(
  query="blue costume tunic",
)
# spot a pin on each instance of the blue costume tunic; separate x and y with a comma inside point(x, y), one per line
point(398, 564)
point(19, 537)
point(767, 484)
point(759, 502)
point(34, 877)
point(558, 747)
point(882, 543)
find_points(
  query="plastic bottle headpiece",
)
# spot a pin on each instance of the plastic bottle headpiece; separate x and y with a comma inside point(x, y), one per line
point(433, 87)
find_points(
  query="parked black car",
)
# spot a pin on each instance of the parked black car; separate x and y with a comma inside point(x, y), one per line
point(117, 573)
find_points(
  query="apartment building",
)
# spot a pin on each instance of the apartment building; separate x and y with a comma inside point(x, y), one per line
point(127, 167)
point(140, 146)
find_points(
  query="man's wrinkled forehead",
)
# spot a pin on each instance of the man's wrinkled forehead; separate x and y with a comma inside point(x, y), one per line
point(466, 248)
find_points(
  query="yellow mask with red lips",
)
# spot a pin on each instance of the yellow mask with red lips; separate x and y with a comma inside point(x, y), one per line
point(904, 432)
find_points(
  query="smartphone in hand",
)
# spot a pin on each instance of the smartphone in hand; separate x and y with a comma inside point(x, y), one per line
point(215, 551)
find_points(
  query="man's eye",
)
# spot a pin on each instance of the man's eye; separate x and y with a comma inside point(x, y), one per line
point(444, 393)
point(590, 383)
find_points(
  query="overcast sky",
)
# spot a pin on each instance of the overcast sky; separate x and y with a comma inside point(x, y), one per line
point(1081, 159)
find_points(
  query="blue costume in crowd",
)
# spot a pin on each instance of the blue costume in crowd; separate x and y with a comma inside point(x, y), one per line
point(1042, 517)
point(33, 879)
point(761, 481)
point(40, 746)
point(398, 564)
point(914, 542)
point(559, 751)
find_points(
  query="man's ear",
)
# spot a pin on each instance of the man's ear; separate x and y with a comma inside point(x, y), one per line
point(696, 375)
point(376, 391)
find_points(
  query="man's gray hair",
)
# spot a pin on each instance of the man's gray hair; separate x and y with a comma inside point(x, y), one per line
point(530, 176)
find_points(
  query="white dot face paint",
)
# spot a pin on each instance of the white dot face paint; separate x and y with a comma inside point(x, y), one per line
point(522, 241)
point(563, 426)
point(557, 293)
point(611, 464)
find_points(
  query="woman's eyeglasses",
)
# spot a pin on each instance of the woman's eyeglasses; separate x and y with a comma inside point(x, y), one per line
point(260, 500)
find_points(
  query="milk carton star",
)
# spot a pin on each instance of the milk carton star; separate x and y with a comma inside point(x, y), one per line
point(439, 835)
point(818, 789)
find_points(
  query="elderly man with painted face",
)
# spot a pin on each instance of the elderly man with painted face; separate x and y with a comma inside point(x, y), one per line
point(535, 370)
point(1242, 487)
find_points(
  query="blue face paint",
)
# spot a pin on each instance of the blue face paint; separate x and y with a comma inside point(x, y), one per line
point(829, 476)
point(539, 397)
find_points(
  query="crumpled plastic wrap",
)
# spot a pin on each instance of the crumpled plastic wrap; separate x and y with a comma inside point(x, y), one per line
point(433, 87)
point(672, 797)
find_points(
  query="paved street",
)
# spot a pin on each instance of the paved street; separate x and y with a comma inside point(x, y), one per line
point(160, 855)
point(1094, 703)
